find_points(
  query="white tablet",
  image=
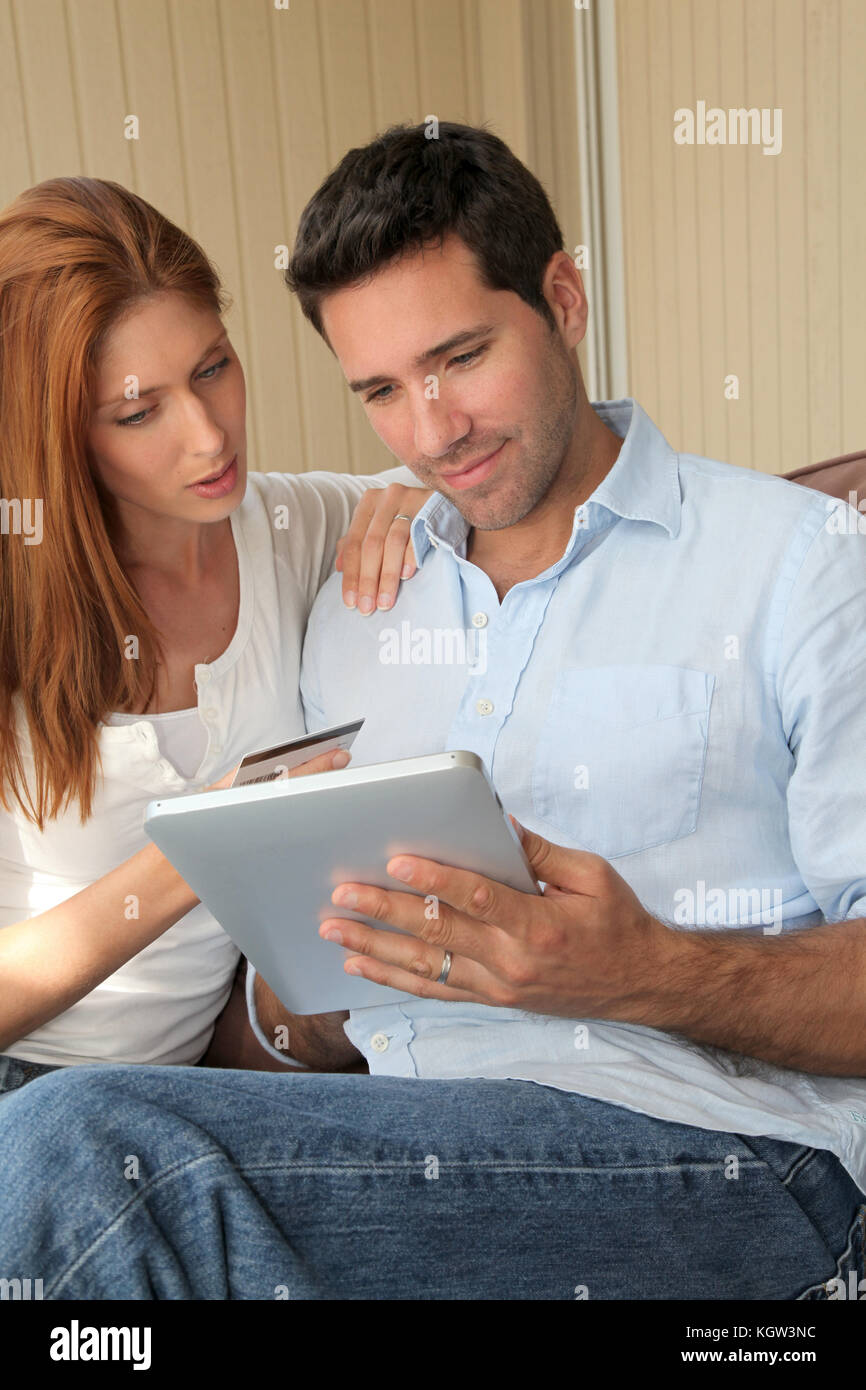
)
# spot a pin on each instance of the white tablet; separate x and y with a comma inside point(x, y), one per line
point(265, 859)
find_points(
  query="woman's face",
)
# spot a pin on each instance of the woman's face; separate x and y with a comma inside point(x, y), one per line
point(167, 434)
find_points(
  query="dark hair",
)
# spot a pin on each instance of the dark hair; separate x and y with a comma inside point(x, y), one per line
point(406, 190)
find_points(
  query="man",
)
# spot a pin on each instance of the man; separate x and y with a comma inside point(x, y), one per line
point(671, 680)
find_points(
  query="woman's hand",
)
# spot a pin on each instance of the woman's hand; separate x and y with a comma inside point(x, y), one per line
point(323, 762)
point(376, 552)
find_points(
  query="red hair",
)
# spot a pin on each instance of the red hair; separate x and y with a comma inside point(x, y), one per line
point(76, 254)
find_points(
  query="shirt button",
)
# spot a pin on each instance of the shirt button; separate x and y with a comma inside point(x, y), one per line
point(204, 677)
point(211, 715)
point(479, 619)
point(484, 706)
point(379, 1042)
point(216, 748)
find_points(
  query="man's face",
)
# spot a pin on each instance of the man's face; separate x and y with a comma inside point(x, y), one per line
point(467, 386)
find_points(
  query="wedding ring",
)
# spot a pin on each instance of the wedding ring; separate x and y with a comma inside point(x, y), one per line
point(446, 969)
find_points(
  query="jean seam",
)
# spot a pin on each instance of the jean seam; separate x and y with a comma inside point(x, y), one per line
point(126, 1210)
point(350, 1168)
point(797, 1165)
point(794, 1171)
point(330, 1167)
point(859, 1220)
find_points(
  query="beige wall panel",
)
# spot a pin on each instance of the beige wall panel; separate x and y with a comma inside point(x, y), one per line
point(792, 241)
point(688, 321)
point(16, 172)
point(442, 63)
point(735, 240)
point(852, 217)
point(551, 122)
point(101, 98)
point(667, 279)
point(149, 66)
point(503, 72)
point(205, 112)
point(306, 155)
point(46, 81)
point(639, 243)
point(768, 276)
point(474, 111)
point(823, 126)
point(261, 229)
point(709, 304)
point(761, 174)
point(394, 61)
point(350, 121)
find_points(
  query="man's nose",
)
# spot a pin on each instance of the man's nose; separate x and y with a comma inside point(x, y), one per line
point(438, 429)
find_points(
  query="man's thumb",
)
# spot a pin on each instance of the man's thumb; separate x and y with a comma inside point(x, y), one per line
point(554, 865)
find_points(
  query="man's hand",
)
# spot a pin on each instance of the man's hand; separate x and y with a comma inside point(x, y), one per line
point(586, 948)
point(376, 552)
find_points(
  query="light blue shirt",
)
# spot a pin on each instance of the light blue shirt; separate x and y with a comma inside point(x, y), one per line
point(682, 692)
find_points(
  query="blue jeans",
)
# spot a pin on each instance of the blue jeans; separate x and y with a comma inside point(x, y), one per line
point(15, 1073)
point(176, 1183)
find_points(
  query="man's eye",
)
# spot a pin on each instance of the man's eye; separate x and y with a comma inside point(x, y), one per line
point(135, 419)
point(465, 358)
point(208, 373)
point(378, 396)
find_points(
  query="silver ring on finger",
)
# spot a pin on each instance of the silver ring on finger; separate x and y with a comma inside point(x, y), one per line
point(401, 516)
point(446, 969)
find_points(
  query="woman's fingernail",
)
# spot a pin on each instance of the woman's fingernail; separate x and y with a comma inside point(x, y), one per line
point(351, 598)
point(333, 934)
point(402, 869)
point(365, 605)
point(385, 600)
point(340, 758)
point(344, 897)
point(406, 571)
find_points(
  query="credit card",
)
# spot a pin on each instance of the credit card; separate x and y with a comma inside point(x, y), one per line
point(271, 764)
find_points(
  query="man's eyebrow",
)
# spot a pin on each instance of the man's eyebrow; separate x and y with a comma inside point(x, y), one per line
point(152, 390)
point(468, 335)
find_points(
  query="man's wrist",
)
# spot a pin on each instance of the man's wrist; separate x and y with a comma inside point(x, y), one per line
point(271, 1034)
point(663, 980)
point(316, 1042)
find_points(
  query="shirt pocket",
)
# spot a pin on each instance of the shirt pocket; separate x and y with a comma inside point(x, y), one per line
point(620, 758)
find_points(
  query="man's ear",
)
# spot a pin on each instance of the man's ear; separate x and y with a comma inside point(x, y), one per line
point(562, 287)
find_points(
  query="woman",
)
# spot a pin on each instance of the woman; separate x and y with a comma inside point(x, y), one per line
point(153, 600)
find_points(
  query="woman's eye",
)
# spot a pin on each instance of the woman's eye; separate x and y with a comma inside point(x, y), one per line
point(135, 419)
point(208, 373)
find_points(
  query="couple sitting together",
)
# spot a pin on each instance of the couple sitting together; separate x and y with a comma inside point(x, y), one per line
point(595, 1092)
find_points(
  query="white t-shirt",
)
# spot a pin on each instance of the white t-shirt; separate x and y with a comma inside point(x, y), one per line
point(161, 1005)
point(180, 734)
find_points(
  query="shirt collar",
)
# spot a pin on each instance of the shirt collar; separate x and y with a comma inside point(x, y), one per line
point(642, 485)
